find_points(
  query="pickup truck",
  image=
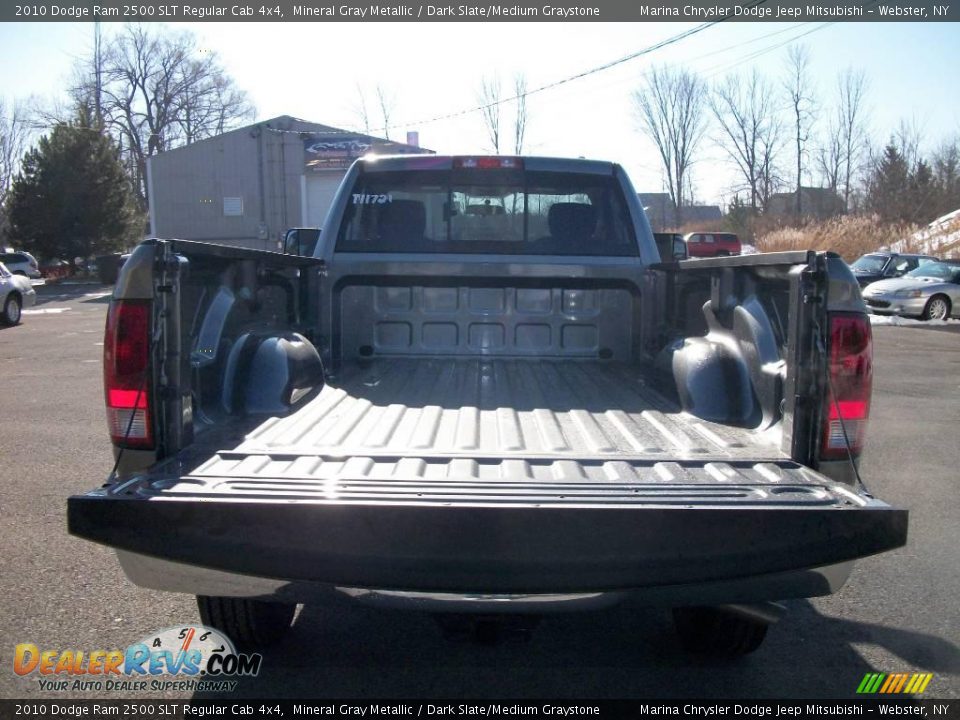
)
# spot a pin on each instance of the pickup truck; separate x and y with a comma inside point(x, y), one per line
point(491, 414)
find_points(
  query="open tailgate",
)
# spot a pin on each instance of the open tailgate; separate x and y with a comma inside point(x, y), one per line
point(445, 523)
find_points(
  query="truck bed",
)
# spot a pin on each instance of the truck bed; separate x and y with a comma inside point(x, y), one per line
point(506, 475)
point(494, 420)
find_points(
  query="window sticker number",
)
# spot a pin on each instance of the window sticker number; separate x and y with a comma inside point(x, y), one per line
point(374, 199)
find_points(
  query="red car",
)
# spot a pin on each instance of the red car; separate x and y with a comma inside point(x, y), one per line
point(712, 244)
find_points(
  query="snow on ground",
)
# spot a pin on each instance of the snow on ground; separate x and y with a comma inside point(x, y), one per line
point(940, 238)
point(897, 321)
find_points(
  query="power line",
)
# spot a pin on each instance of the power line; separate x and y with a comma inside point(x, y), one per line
point(543, 88)
point(563, 81)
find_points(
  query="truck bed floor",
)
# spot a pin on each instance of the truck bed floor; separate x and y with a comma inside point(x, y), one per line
point(490, 419)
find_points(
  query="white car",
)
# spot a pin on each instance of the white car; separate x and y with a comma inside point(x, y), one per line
point(20, 262)
point(16, 293)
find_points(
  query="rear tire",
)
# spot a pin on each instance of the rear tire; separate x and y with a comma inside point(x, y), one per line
point(249, 623)
point(715, 632)
point(938, 308)
point(12, 309)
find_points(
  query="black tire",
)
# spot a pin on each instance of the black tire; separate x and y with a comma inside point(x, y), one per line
point(717, 633)
point(937, 308)
point(722, 253)
point(12, 308)
point(249, 623)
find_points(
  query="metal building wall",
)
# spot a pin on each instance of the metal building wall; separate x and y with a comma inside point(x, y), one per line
point(262, 165)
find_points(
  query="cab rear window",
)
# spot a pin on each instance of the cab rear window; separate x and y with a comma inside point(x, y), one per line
point(502, 211)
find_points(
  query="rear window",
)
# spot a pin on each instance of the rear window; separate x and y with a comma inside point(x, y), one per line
point(487, 211)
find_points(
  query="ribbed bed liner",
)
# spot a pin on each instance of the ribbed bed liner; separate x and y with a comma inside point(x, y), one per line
point(409, 410)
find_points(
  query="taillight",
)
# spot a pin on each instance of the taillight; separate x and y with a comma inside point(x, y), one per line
point(489, 163)
point(851, 379)
point(126, 373)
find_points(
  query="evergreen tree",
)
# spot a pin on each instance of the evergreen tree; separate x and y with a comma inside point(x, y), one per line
point(888, 186)
point(922, 194)
point(72, 197)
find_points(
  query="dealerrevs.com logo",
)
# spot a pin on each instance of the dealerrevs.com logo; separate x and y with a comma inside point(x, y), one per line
point(187, 658)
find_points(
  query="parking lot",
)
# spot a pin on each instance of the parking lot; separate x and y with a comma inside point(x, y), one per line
point(899, 613)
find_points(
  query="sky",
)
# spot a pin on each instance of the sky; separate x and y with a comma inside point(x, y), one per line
point(312, 71)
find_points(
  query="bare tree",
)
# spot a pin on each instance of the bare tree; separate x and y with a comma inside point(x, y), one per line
point(387, 102)
point(798, 86)
point(853, 134)
point(522, 117)
point(671, 108)
point(906, 139)
point(155, 90)
point(489, 98)
point(15, 133)
point(361, 109)
point(830, 156)
point(745, 109)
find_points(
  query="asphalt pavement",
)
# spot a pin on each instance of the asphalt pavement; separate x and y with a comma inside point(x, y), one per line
point(899, 613)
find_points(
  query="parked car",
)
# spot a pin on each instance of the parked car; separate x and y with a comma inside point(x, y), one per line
point(880, 265)
point(931, 292)
point(716, 244)
point(511, 413)
point(20, 262)
point(16, 293)
point(671, 246)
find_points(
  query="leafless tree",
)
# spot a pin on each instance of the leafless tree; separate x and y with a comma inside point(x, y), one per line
point(15, 133)
point(799, 88)
point(830, 156)
point(745, 109)
point(852, 121)
point(488, 96)
point(361, 109)
point(906, 139)
point(671, 108)
point(156, 90)
point(387, 101)
point(522, 116)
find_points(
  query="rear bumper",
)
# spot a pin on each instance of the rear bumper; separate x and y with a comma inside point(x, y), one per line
point(156, 574)
point(653, 538)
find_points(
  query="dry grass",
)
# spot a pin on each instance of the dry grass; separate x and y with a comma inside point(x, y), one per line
point(850, 236)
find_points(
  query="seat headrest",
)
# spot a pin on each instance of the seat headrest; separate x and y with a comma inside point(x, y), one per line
point(402, 220)
point(572, 221)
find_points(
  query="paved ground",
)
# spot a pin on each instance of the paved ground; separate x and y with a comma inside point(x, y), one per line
point(900, 611)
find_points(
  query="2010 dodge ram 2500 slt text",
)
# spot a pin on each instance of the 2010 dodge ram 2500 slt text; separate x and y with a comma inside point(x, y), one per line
point(485, 394)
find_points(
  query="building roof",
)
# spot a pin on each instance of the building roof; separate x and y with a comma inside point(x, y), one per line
point(316, 131)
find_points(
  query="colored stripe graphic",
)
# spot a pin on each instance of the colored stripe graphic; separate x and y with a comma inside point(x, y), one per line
point(862, 687)
point(896, 683)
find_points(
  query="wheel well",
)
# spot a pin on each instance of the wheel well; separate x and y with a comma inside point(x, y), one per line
point(16, 294)
point(946, 299)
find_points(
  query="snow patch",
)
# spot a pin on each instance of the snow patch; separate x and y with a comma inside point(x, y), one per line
point(898, 321)
point(940, 238)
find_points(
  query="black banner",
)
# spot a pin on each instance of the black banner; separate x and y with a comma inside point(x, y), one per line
point(479, 11)
point(436, 709)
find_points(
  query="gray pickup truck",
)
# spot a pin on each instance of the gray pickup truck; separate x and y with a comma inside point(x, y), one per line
point(484, 394)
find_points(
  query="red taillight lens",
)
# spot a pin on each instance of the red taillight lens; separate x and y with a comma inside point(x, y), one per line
point(851, 382)
point(126, 367)
point(489, 163)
